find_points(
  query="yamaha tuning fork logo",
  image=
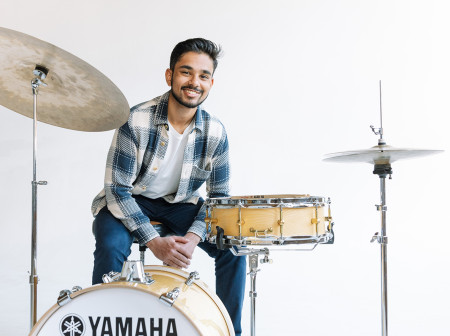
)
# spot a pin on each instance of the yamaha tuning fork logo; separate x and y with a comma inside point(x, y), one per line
point(72, 325)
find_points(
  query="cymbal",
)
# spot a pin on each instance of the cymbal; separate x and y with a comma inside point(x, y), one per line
point(381, 154)
point(78, 96)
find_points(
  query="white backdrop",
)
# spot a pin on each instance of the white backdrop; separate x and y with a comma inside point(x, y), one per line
point(298, 79)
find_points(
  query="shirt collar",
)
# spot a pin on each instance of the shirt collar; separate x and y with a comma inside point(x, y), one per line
point(161, 113)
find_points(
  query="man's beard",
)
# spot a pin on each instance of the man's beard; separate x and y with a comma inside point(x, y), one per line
point(187, 104)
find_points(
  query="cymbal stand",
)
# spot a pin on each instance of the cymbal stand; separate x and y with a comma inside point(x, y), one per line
point(382, 170)
point(253, 267)
point(40, 73)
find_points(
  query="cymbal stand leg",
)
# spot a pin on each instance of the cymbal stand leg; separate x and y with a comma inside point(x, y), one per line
point(33, 280)
point(382, 171)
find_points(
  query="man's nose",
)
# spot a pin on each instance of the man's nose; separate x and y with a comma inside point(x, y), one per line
point(194, 81)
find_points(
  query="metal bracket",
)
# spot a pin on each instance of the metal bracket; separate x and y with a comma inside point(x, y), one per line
point(381, 207)
point(170, 297)
point(192, 277)
point(264, 232)
point(111, 277)
point(379, 238)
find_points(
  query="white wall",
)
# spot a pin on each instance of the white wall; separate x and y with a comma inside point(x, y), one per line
point(298, 79)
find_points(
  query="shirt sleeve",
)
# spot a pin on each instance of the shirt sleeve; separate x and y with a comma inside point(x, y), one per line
point(121, 172)
point(217, 184)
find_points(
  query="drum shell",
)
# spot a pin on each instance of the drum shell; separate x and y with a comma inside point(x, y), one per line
point(202, 308)
point(299, 221)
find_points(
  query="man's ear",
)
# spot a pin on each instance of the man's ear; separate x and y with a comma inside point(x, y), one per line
point(168, 77)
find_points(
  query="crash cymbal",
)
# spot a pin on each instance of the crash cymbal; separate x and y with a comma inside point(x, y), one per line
point(77, 95)
point(381, 154)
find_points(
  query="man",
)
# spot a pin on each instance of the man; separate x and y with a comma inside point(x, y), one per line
point(157, 162)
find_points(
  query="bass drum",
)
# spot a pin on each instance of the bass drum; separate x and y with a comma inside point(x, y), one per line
point(128, 308)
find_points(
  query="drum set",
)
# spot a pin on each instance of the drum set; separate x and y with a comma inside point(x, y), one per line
point(162, 299)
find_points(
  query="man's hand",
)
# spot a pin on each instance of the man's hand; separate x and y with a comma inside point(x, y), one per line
point(174, 251)
point(189, 247)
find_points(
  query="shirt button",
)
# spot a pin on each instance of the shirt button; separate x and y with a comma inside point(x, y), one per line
point(144, 187)
point(163, 143)
point(155, 168)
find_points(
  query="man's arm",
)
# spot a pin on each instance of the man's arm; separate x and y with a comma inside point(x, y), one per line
point(121, 171)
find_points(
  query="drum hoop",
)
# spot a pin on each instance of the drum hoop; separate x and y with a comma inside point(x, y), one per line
point(143, 288)
point(289, 202)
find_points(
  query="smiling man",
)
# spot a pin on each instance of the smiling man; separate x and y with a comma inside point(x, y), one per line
point(157, 163)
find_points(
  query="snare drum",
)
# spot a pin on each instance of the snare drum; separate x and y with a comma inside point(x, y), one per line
point(269, 220)
point(130, 308)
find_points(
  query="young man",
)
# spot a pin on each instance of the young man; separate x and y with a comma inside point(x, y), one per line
point(157, 162)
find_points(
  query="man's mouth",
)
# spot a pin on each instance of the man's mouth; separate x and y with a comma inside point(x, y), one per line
point(191, 92)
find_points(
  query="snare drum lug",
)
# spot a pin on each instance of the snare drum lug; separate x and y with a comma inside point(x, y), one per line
point(64, 297)
point(170, 297)
point(192, 276)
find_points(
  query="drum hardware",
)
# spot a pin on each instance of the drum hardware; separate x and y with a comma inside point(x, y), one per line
point(132, 271)
point(253, 255)
point(111, 277)
point(281, 221)
point(240, 221)
point(192, 276)
point(315, 221)
point(66, 103)
point(262, 232)
point(64, 295)
point(381, 156)
point(170, 297)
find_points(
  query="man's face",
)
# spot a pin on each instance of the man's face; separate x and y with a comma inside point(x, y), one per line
point(191, 79)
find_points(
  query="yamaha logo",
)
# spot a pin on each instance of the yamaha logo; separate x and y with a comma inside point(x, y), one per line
point(72, 325)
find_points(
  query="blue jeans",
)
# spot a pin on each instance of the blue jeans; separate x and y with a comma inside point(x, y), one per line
point(113, 246)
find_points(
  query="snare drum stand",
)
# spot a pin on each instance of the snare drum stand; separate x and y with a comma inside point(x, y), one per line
point(253, 266)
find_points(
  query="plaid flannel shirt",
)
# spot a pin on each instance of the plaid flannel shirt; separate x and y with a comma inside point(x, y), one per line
point(137, 150)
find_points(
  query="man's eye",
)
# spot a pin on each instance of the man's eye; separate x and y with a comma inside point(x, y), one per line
point(204, 76)
point(185, 72)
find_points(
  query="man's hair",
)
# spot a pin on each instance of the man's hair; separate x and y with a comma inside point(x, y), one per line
point(198, 45)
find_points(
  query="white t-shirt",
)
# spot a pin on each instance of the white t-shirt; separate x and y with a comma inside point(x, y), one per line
point(168, 178)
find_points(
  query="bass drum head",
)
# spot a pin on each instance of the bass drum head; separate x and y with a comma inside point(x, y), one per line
point(128, 308)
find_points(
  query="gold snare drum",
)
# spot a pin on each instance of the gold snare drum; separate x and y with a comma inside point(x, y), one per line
point(269, 220)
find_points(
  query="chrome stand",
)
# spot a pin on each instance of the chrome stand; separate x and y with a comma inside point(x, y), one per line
point(40, 73)
point(382, 170)
point(253, 266)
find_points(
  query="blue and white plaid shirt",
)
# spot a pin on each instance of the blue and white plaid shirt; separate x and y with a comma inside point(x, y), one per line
point(136, 152)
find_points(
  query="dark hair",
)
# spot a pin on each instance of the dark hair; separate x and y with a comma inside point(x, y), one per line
point(198, 45)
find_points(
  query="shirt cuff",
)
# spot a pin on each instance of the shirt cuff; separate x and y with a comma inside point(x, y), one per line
point(199, 228)
point(144, 233)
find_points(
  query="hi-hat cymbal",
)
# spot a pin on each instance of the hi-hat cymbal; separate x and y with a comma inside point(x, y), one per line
point(381, 154)
point(77, 97)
